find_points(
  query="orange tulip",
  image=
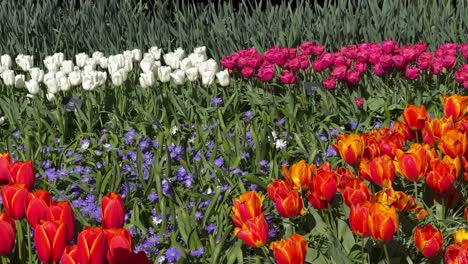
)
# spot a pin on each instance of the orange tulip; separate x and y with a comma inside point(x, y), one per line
point(355, 192)
point(62, 211)
point(246, 207)
point(14, 200)
point(37, 207)
point(359, 219)
point(299, 175)
point(440, 126)
point(453, 143)
point(5, 160)
point(428, 240)
point(383, 221)
point(456, 254)
point(288, 202)
point(455, 106)
point(415, 117)
point(290, 251)
point(343, 176)
point(441, 178)
point(112, 211)
point(50, 239)
point(70, 255)
point(92, 246)
point(388, 146)
point(350, 147)
point(7, 234)
point(23, 172)
point(254, 232)
point(382, 170)
point(323, 189)
point(371, 149)
point(404, 130)
point(412, 164)
point(461, 236)
point(120, 246)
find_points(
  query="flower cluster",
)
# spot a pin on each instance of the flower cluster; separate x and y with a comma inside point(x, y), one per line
point(461, 76)
point(347, 64)
point(53, 222)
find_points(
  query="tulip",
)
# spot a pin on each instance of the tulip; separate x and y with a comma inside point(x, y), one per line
point(415, 117)
point(8, 77)
point(120, 246)
point(350, 147)
point(147, 79)
point(290, 251)
point(428, 240)
point(70, 255)
point(412, 164)
point(6, 61)
point(254, 231)
point(7, 233)
point(156, 52)
point(466, 214)
point(25, 62)
point(247, 72)
point(136, 55)
point(441, 178)
point(5, 160)
point(197, 59)
point(288, 77)
point(287, 201)
point(192, 74)
point(37, 74)
point(164, 73)
point(412, 72)
point(324, 185)
point(92, 246)
point(223, 78)
point(299, 175)
point(112, 211)
point(355, 192)
point(23, 172)
point(453, 143)
point(455, 106)
point(456, 254)
point(117, 78)
point(266, 73)
point(209, 65)
point(246, 207)
point(50, 239)
point(329, 83)
point(52, 85)
point(37, 207)
point(62, 212)
point(75, 78)
point(81, 59)
point(32, 86)
point(461, 236)
point(383, 221)
point(359, 219)
point(185, 64)
point(382, 170)
point(14, 199)
point(207, 78)
point(171, 60)
point(64, 84)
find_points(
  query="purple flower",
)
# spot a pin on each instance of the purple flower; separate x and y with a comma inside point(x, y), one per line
point(280, 122)
point(153, 197)
point(216, 101)
point(219, 162)
point(197, 252)
point(353, 124)
point(173, 254)
point(210, 228)
point(198, 215)
point(248, 116)
point(166, 188)
point(271, 232)
point(245, 155)
point(330, 152)
point(16, 134)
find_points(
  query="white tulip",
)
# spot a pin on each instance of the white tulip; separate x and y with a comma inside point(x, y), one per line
point(19, 81)
point(136, 54)
point(207, 78)
point(91, 63)
point(37, 74)
point(59, 58)
point(52, 85)
point(201, 51)
point(2, 68)
point(8, 77)
point(75, 78)
point(32, 86)
point(171, 60)
point(146, 65)
point(65, 84)
point(164, 73)
point(25, 62)
point(209, 65)
point(128, 65)
point(49, 75)
point(179, 53)
point(146, 79)
point(223, 78)
point(67, 66)
point(118, 59)
point(50, 63)
point(102, 77)
point(196, 59)
point(6, 61)
point(50, 96)
point(192, 74)
point(97, 55)
point(128, 54)
point(88, 68)
point(178, 76)
point(185, 64)
point(81, 59)
point(117, 78)
point(59, 75)
point(156, 52)
point(90, 81)
point(104, 62)
point(148, 56)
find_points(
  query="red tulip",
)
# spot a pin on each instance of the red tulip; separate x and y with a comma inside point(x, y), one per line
point(246, 207)
point(254, 232)
point(359, 219)
point(456, 254)
point(441, 178)
point(428, 240)
point(120, 246)
point(62, 211)
point(37, 208)
point(299, 175)
point(14, 200)
point(5, 160)
point(113, 212)
point(412, 164)
point(70, 255)
point(50, 239)
point(288, 77)
point(355, 192)
point(324, 185)
point(453, 143)
point(383, 221)
point(455, 106)
point(290, 251)
point(288, 202)
point(8, 219)
point(415, 116)
point(92, 246)
point(7, 234)
point(350, 147)
point(23, 172)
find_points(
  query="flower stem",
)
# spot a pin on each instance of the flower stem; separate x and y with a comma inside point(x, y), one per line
point(387, 257)
point(363, 244)
point(19, 241)
point(267, 254)
point(4, 260)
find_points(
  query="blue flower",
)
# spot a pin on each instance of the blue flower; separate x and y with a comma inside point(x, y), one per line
point(173, 254)
point(197, 252)
point(16, 134)
point(216, 101)
point(219, 162)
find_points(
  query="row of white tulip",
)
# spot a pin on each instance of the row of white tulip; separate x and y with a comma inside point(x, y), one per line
point(92, 72)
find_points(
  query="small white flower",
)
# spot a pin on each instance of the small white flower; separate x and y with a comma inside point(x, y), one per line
point(280, 144)
point(209, 191)
point(85, 145)
point(156, 220)
point(107, 146)
point(274, 134)
point(161, 259)
point(174, 130)
point(2, 120)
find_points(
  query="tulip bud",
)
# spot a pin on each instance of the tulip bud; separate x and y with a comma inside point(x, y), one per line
point(14, 200)
point(207, 78)
point(178, 76)
point(37, 74)
point(8, 77)
point(428, 240)
point(50, 239)
point(113, 212)
point(7, 233)
point(290, 251)
point(92, 246)
point(147, 79)
point(223, 78)
point(192, 74)
point(164, 73)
